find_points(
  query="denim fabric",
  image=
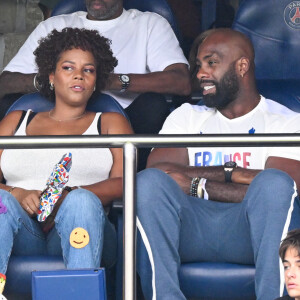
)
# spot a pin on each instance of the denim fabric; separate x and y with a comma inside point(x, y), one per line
point(22, 235)
point(174, 228)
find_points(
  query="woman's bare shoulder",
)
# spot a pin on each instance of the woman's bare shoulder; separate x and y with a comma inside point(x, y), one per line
point(9, 123)
point(115, 123)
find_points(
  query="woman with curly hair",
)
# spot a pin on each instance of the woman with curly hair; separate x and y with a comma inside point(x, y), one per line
point(72, 65)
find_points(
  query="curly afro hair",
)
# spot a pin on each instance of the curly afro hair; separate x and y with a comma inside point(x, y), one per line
point(50, 48)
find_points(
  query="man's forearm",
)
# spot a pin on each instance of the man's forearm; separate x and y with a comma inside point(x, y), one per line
point(226, 192)
point(167, 82)
point(214, 173)
point(13, 82)
point(216, 187)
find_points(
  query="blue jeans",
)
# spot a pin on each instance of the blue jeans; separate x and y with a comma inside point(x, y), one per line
point(22, 235)
point(174, 227)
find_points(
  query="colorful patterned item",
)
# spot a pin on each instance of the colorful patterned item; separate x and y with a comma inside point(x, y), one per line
point(2, 282)
point(55, 186)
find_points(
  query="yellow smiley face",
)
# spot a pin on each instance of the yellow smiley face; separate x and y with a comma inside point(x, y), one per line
point(79, 238)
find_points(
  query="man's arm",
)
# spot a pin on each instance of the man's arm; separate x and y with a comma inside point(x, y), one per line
point(174, 161)
point(13, 82)
point(174, 79)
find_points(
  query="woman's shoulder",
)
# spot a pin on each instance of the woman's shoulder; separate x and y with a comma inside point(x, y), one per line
point(10, 122)
point(115, 123)
point(13, 115)
point(113, 116)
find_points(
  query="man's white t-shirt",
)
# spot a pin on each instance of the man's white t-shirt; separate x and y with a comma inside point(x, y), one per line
point(267, 117)
point(143, 42)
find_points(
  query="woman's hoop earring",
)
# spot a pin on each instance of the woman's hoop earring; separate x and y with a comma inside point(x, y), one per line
point(51, 86)
point(94, 88)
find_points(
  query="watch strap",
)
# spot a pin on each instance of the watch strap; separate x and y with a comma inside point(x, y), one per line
point(228, 174)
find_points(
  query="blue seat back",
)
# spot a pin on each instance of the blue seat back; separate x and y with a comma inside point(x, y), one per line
point(274, 28)
point(160, 7)
point(38, 103)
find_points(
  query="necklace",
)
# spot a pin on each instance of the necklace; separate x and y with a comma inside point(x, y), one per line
point(66, 120)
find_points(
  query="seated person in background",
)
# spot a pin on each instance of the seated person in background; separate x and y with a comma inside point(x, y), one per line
point(289, 252)
point(72, 65)
point(219, 204)
point(148, 53)
point(189, 21)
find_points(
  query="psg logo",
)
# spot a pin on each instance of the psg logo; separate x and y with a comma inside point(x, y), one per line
point(292, 14)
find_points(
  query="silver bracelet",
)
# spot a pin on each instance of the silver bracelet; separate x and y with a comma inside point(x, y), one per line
point(36, 83)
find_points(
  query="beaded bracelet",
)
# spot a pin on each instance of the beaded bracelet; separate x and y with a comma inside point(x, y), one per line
point(194, 186)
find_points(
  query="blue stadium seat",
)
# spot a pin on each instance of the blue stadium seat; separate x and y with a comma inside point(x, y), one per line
point(20, 267)
point(100, 102)
point(274, 29)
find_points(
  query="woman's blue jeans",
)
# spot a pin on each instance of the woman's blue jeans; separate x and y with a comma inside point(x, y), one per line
point(22, 235)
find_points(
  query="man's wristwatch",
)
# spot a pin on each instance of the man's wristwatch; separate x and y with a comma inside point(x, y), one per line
point(125, 80)
point(228, 169)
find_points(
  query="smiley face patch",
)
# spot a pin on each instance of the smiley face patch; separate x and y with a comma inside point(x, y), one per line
point(79, 238)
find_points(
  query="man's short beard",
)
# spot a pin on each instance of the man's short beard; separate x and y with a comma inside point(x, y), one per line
point(98, 15)
point(226, 90)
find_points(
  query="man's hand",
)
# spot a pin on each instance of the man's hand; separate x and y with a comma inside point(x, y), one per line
point(182, 180)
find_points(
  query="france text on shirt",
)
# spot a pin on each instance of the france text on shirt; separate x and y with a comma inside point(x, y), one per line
point(207, 158)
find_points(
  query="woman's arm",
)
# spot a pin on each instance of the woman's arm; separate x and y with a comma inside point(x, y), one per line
point(7, 128)
point(112, 188)
point(28, 199)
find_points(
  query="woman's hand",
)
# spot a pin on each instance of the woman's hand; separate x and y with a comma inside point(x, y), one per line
point(28, 199)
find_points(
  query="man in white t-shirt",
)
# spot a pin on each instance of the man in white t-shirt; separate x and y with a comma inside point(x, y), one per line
point(149, 60)
point(219, 204)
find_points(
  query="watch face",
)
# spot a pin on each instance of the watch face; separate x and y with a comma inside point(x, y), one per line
point(230, 164)
point(124, 78)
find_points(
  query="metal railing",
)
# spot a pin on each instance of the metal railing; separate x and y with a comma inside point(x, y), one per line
point(129, 143)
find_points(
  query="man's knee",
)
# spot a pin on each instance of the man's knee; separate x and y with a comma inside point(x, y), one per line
point(274, 187)
point(150, 181)
point(274, 179)
point(270, 176)
point(156, 191)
